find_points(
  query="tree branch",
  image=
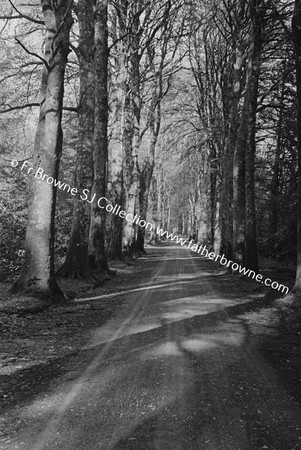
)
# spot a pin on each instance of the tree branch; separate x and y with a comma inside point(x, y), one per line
point(70, 108)
point(31, 105)
point(13, 108)
point(280, 19)
point(32, 53)
point(9, 17)
point(75, 49)
point(24, 16)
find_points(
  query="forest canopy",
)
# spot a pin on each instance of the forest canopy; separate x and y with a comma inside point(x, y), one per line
point(185, 113)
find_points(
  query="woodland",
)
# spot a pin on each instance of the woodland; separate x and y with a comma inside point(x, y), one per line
point(186, 113)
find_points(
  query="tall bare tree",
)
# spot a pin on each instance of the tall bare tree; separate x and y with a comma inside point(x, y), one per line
point(38, 270)
point(76, 264)
point(97, 254)
point(296, 24)
point(257, 12)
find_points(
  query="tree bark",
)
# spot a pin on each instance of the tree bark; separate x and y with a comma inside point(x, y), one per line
point(38, 275)
point(115, 181)
point(296, 24)
point(217, 233)
point(76, 264)
point(213, 194)
point(239, 171)
point(233, 79)
point(251, 256)
point(154, 119)
point(145, 182)
point(276, 169)
point(154, 238)
point(131, 128)
point(97, 255)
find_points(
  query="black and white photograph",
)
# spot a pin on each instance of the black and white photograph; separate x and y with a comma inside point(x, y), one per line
point(150, 225)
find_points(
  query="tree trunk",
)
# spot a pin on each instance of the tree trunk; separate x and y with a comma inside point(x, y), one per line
point(217, 239)
point(76, 264)
point(226, 187)
point(276, 169)
point(168, 212)
point(251, 256)
point(115, 182)
point(213, 192)
point(154, 126)
point(154, 238)
point(192, 200)
point(160, 197)
point(232, 91)
point(97, 256)
point(145, 182)
point(239, 174)
point(131, 134)
point(38, 274)
point(296, 23)
point(131, 192)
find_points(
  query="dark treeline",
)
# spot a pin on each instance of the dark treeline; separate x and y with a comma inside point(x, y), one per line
point(184, 113)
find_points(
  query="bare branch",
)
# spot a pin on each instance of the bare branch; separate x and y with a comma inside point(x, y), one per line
point(31, 105)
point(9, 17)
point(13, 108)
point(24, 16)
point(70, 108)
point(32, 53)
point(75, 49)
point(281, 21)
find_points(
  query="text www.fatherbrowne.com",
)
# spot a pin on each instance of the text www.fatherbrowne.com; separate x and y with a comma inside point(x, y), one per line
point(203, 251)
point(104, 203)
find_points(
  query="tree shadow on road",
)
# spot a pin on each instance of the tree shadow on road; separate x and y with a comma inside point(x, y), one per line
point(218, 409)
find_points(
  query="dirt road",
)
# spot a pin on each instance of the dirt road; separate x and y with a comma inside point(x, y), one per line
point(174, 369)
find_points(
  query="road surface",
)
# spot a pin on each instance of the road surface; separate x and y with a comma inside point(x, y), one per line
point(172, 370)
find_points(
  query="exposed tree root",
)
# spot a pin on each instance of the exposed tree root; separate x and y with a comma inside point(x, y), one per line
point(74, 272)
point(291, 300)
point(49, 293)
